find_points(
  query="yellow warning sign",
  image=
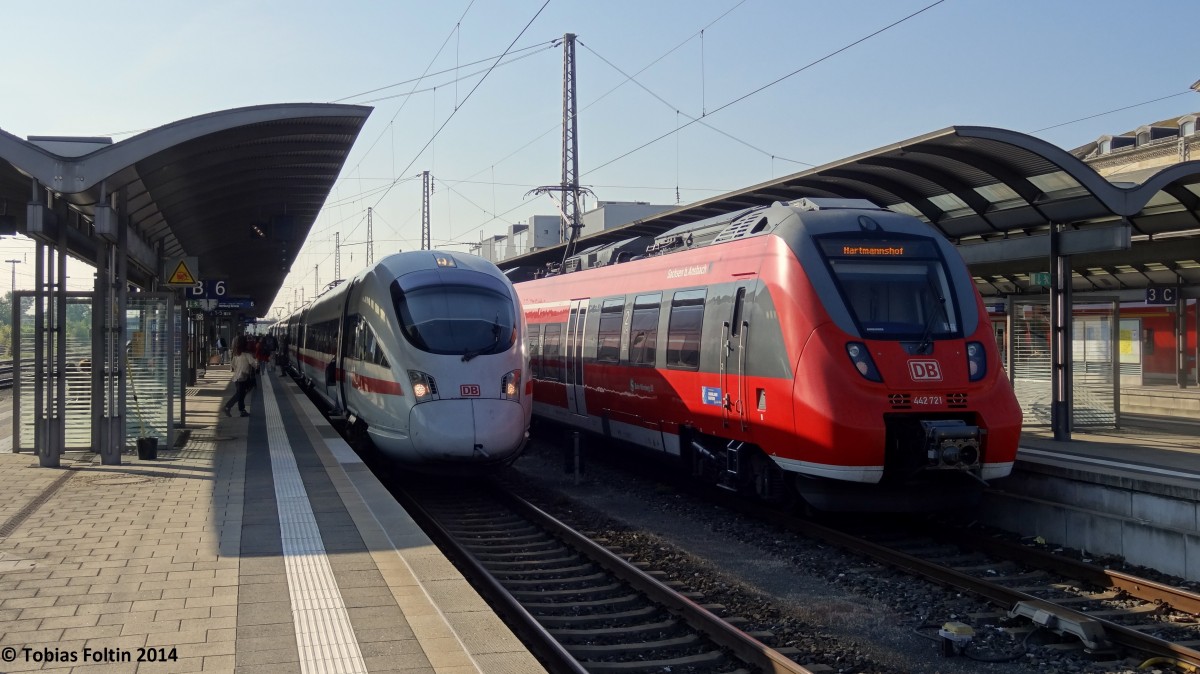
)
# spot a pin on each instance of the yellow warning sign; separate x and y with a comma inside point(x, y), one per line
point(181, 271)
point(182, 275)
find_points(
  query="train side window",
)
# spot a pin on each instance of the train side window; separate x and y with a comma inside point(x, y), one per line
point(683, 331)
point(552, 365)
point(608, 336)
point(368, 337)
point(643, 329)
point(535, 355)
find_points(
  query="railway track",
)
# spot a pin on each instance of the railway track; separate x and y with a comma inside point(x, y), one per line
point(581, 606)
point(1107, 611)
point(1102, 611)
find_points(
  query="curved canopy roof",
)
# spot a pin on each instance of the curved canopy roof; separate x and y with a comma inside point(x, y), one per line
point(975, 185)
point(238, 189)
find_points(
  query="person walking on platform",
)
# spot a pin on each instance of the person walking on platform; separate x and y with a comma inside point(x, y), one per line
point(281, 355)
point(262, 353)
point(223, 350)
point(244, 364)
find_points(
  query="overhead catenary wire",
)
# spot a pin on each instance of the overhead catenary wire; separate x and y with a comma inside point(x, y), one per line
point(601, 97)
point(773, 83)
point(464, 101)
point(678, 112)
point(551, 43)
point(1109, 112)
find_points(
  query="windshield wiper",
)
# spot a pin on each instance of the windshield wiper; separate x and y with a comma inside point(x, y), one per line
point(927, 336)
point(495, 340)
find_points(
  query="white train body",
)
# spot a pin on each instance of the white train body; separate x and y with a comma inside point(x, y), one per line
point(426, 351)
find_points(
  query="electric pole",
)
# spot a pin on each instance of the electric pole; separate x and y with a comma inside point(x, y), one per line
point(570, 149)
point(370, 236)
point(425, 243)
point(14, 264)
point(569, 188)
point(316, 280)
point(337, 249)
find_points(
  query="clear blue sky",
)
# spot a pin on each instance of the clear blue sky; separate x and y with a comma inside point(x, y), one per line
point(118, 68)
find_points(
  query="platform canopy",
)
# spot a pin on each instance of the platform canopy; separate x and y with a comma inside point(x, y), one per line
point(989, 187)
point(238, 190)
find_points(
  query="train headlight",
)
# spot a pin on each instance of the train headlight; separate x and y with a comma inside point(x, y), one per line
point(862, 361)
point(976, 361)
point(510, 386)
point(423, 386)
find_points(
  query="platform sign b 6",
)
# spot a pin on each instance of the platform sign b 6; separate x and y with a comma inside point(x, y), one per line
point(208, 290)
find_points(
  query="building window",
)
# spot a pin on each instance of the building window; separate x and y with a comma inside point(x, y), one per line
point(1105, 146)
point(1188, 127)
point(1143, 137)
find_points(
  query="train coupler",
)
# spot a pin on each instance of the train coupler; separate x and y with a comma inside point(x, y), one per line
point(951, 444)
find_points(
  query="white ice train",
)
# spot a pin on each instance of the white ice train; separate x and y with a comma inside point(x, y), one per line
point(425, 352)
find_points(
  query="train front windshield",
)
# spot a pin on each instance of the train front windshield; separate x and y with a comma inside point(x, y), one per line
point(894, 288)
point(460, 320)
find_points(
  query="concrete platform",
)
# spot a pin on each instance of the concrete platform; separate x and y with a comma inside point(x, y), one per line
point(259, 544)
point(1132, 492)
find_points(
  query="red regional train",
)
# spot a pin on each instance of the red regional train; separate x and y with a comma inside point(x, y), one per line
point(824, 348)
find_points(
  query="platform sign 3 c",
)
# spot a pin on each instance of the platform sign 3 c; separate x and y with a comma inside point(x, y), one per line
point(181, 271)
point(1161, 295)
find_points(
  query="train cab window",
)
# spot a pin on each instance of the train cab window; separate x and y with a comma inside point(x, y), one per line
point(895, 289)
point(683, 331)
point(535, 355)
point(552, 364)
point(372, 352)
point(461, 320)
point(608, 349)
point(643, 330)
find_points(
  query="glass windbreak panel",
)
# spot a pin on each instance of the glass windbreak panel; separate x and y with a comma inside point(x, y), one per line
point(456, 319)
point(76, 392)
point(79, 373)
point(148, 353)
point(894, 289)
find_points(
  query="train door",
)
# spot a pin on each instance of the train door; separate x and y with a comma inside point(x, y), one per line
point(574, 357)
point(347, 325)
point(735, 328)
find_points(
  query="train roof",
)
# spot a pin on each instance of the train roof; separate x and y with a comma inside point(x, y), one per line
point(707, 232)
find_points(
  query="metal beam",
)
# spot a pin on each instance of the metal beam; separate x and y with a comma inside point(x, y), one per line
point(1073, 242)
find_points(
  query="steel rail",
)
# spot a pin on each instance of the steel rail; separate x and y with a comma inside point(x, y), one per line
point(1003, 596)
point(532, 633)
point(742, 645)
point(1140, 588)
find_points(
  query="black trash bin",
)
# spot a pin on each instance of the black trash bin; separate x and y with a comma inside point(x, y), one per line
point(147, 449)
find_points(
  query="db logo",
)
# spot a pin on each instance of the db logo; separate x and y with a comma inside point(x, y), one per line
point(472, 390)
point(925, 370)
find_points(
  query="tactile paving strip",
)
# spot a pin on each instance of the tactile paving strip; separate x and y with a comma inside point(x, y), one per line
point(323, 632)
